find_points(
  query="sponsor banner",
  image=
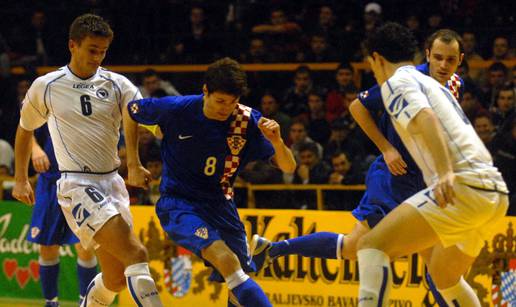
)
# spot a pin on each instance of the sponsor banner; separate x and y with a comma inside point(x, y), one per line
point(182, 278)
point(19, 271)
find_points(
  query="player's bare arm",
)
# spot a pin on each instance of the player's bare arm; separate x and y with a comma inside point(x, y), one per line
point(39, 158)
point(427, 124)
point(391, 156)
point(137, 175)
point(283, 157)
point(22, 189)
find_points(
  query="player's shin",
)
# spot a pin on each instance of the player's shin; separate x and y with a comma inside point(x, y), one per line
point(86, 271)
point(97, 295)
point(375, 277)
point(316, 245)
point(247, 291)
point(460, 295)
point(141, 285)
point(49, 272)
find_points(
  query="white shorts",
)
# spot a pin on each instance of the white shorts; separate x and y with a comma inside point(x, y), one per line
point(88, 201)
point(466, 223)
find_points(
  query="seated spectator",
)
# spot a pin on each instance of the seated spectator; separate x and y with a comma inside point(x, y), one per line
point(311, 170)
point(257, 52)
point(263, 172)
point(281, 36)
point(341, 139)
point(146, 143)
point(505, 160)
point(500, 50)
point(504, 107)
point(318, 127)
point(485, 129)
point(470, 53)
point(270, 109)
point(320, 50)
point(470, 104)
point(344, 172)
point(497, 76)
point(298, 135)
point(327, 26)
point(152, 84)
point(6, 158)
point(335, 105)
point(295, 99)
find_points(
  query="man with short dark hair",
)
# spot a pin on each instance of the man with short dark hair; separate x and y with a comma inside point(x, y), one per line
point(208, 138)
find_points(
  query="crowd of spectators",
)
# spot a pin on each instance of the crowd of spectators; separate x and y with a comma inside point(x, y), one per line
point(310, 106)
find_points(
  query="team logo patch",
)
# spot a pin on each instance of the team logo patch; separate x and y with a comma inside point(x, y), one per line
point(236, 143)
point(102, 93)
point(364, 94)
point(202, 233)
point(34, 232)
point(134, 108)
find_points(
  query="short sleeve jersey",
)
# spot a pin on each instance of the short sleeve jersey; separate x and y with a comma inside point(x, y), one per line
point(84, 116)
point(194, 147)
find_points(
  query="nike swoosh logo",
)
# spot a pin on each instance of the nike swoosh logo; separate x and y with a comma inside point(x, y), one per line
point(184, 137)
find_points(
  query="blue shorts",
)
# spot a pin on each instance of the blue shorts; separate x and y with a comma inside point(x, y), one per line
point(48, 225)
point(195, 225)
point(385, 192)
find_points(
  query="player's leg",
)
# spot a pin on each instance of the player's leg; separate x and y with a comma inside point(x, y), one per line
point(245, 289)
point(116, 238)
point(86, 268)
point(426, 256)
point(448, 266)
point(403, 231)
point(49, 273)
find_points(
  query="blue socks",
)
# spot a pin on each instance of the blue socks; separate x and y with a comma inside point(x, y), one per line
point(246, 290)
point(438, 297)
point(86, 271)
point(316, 245)
point(48, 274)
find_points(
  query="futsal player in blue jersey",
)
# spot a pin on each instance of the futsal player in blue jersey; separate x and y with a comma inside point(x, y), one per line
point(392, 177)
point(49, 228)
point(207, 139)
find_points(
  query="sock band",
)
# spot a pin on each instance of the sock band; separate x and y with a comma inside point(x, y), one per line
point(41, 261)
point(340, 242)
point(87, 263)
point(137, 269)
point(236, 279)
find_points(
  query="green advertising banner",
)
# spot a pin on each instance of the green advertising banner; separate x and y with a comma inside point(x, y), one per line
point(19, 276)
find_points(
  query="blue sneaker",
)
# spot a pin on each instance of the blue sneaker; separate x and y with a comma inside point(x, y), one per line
point(260, 247)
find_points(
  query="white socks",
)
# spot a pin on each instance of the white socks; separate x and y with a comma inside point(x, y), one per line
point(236, 279)
point(97, 294)
point(142, 286)
point(375, 278)
point(460, 295)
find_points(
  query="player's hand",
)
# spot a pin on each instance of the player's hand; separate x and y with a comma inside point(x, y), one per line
point(40, 160)
point(270, 129)
point(138, 176)
point(394, 162)
point(22, 191)
point(443, 190)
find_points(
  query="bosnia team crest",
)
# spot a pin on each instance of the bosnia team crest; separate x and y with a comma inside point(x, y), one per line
point(236, 143)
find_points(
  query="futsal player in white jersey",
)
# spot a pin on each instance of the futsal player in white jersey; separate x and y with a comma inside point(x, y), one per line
point(466, 194)
point(83, 104)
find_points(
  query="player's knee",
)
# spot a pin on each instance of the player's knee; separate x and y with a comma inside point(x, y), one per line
point(138, 254)
point(443, 278)
point(115, 283)
point(49, 252)
point(222, 258)
point(367, 241)
point(84, 254)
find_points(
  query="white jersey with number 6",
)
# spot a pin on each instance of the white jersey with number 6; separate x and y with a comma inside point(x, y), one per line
point(405, 94)
point(84, 116)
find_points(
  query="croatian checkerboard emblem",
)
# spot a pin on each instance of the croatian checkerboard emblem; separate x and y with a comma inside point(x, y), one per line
point(236, 143)
point(134, 108)
point(202, 233)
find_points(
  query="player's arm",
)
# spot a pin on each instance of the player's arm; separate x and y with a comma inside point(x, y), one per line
point(391, 156)
point(427, 124)
point(40, 160)
point(33, 115)
point(283, 156)
point(137, 175)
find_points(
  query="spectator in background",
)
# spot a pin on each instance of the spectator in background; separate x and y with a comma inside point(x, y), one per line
point(497, 76)
point(320, 50)
point(326, 25)
point(152, 84)
point(335, 100)
point(434, 22)
point(342, 139)
point(470, 104)
point(318, 127)
point(257, 52)
point(485, 129)
point(372, 17)
point(505, 160)
point(504, 107)
point(280, 34)
point(299, 135)
point(343, 172)
point(500, 49)
point(6, 158)
point(469, 41)
point(412, 22)
point(197, 45)
point(147, 142)
point(270, 109)
point(295, 99)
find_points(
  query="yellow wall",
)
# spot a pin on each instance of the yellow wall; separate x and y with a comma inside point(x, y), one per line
point(296, 281)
